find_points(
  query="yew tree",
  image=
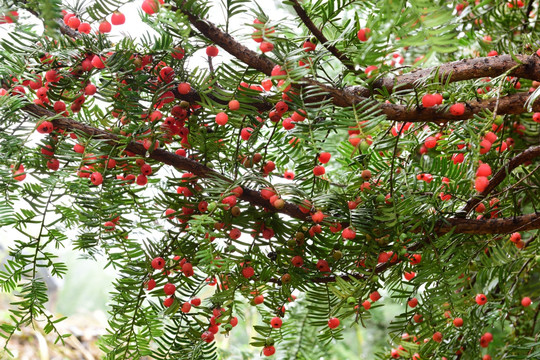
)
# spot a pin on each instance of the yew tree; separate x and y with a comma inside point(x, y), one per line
point(313, 163)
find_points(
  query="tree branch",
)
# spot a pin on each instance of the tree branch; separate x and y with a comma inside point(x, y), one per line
point(164, 156)
point(465, 69)
point(458, 225)
point(499, 176)
point(320, 36)
point(489, 226)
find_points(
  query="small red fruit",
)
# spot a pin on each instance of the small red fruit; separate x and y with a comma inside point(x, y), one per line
point(484, 170)
point(437, 337)
point(105, 27)
point(248, 272)
point(158, 263)
point(297, 261)
point(319, 170)
point(212, 51)
point(269, 350)
point(168, 302)
point(413, 302)
point(169, 288)
point(457, 109)
point(481, 299)
point(526, 301)
point(96, 178)
point(333, 323)
point(458, 322)
point(46, 127)
point(117, 18)
point(324, 157)
point(363, 34)
point(481, 183)
point(222, 118)
point(276, 322)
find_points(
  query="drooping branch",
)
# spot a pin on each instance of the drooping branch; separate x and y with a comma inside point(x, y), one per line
point(500, 175)
point(320, 36)
point(458, 225)
point(182, 163)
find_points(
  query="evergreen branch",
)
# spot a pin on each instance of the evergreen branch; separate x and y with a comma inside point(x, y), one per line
point(320, 36)
point(528, 67)
point(457, 225)
point(163, 156)
point(499, 176)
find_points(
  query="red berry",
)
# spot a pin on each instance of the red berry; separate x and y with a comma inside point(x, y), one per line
point(97, 62)
point(46, 127)
point(269, 350)
point(96, 178)
point(84, 28)
point(363, 34)
point(457, 109)
point(437, 337)
point(169, 288)
point(141, 180)
point(212, 51)
point(485, 146)
point(90, 89)
point(481, 299)
point(150, 7)
point(458, 322)
point(117, 18)
point(317, 217)
point(105, 27)
point(207, 336)
point(430, 142)
point(413, 302)
point(186, 307)
point(374, 296)
point(324, 157)
point(234, 321)
point(245, 133)
point(348, 233)
point(184, 88)
point(53, 164)
point(333, 323)
point(150, 284)
point(222, 118)
point(187, 269)
point(481, 183)
point(297, 261)
point(536, 116)
point(248, 272)
point(73, 22)
point(266, 46)
point(168, 301)
point(491, 137)
point(319, 170)
point(195, 301)
point(257, 300)
point(289, 175)
point(526, 301)
point(483, 170)
point(158, 263)
point(276, 322)
point(366, 304)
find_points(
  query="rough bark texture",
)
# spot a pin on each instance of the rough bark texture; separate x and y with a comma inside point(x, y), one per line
point(320, 36)
point(465, 69)
point(458, 225)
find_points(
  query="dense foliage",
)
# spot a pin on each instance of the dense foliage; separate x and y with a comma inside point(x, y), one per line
point(328, 159)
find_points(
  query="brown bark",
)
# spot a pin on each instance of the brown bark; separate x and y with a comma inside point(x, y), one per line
point(458, 225)
point(500, 175)
point(489, 226)
point(164, 156)
point(465, 69)
point(320, 36)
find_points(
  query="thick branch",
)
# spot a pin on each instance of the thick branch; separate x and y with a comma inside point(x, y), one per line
point(230, 45)
point(166, 157)
point(489, 226)
point(500, 175)
point(320, 36)
point(465, 69)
